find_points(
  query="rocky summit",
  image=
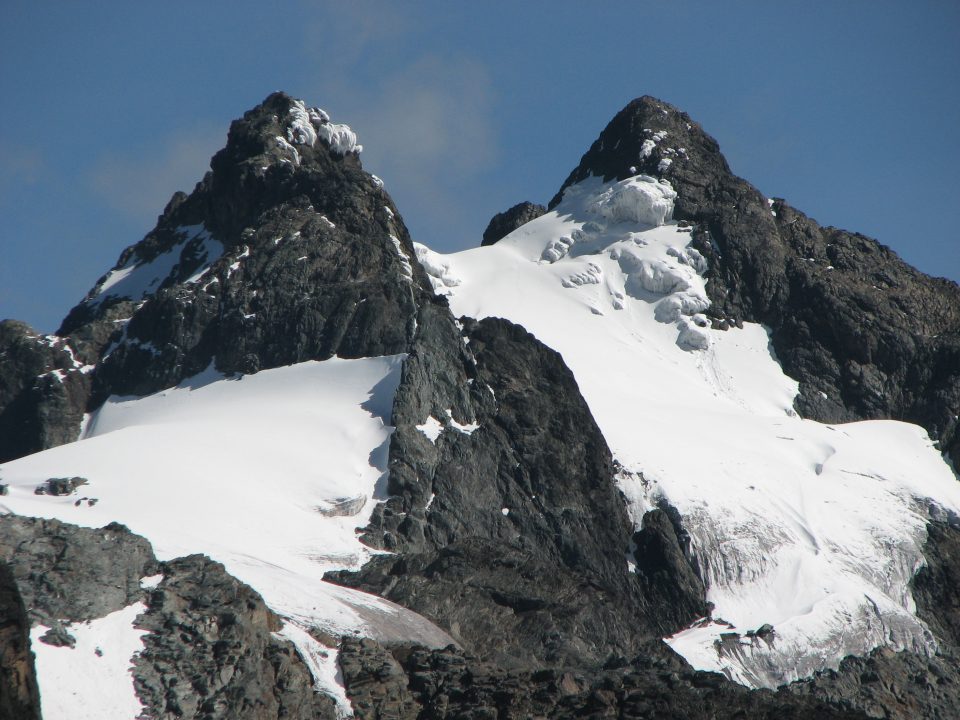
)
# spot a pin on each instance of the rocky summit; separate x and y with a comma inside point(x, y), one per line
point(662, 448)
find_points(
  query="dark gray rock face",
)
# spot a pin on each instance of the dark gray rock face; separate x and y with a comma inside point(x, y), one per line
point(669, 581)
point(514, 537)
point(378, 683)
point(211, 652)
point(502, 224)
point(850, 320)
point(936, 587)
point(19, 697)
point(70, 573)
point(42, 391)
point(409, 683)
point(889, 685)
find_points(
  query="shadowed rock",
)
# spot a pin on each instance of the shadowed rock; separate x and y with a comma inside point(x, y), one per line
point(502, 224)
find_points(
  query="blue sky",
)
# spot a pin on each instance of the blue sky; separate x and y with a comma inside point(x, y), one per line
point(850, 110)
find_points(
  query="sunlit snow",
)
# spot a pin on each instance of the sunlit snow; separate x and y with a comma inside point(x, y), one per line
point(815, 529)
point(140, 278)
point(92, 680)
point(245, 469)
point(305, 125)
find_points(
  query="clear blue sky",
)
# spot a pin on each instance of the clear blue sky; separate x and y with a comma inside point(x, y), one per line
point(850, 110)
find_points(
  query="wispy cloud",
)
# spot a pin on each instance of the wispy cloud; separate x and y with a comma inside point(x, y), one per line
point(140, 184)
point(346, 32)
point(429, 132)
point(427, 119)
point(20, 165)
point(432, 116)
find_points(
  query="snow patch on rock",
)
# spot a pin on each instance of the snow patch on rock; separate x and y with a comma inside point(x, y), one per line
point(300, 129)
point(437, 269)
point(139, 278)
point(431, 428)
point(93, 679)
point(293, 155)
point(322, 663)
point(405, 265)
point(466, 429)
point(340, 138)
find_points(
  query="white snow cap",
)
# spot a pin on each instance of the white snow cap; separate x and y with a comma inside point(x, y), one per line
point(305, 125)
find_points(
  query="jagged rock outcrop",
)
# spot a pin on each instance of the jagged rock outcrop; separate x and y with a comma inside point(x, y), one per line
point(211, 650)
point(68, 573)
point(43, 390)
point(670, 582)
point(19, 696)
point(502, 224)
point(212, 653)
point(866, 335)
point(409, 683)
point(512, 532)
point(936, 587)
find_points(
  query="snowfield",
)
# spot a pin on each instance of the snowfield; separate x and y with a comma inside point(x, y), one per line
point(814, 529)
point(269, 474)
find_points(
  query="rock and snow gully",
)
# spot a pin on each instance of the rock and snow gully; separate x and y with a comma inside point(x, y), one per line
point(329, 471)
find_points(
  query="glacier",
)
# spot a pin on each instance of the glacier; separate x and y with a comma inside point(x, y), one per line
point(813, 529)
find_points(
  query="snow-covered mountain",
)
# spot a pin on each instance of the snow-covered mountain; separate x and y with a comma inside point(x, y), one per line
point(663, 448)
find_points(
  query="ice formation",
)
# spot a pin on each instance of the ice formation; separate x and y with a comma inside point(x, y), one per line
point(305, 125)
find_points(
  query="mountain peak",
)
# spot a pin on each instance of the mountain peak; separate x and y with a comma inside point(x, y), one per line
point(285, 213)
point(651, 137)
point(283, 129)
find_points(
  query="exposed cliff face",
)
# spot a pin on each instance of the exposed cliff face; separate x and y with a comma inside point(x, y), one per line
point(43, 389)
point(19, 697)
point(212, 651)
point(512, 532)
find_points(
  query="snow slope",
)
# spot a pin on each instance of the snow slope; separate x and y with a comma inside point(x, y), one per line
point(815, 529)
point(92, 680)
point(269, 474)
